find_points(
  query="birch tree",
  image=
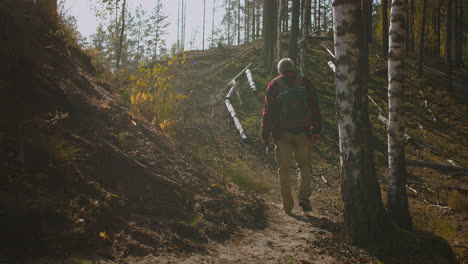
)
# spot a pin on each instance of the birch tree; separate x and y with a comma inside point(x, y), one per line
point(397, 199)
point(364, 214)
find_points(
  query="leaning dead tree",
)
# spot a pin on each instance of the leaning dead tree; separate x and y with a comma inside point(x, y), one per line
point(234, 89)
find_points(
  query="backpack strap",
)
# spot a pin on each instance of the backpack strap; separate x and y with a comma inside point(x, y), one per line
point(282, 83)
point(299, 79)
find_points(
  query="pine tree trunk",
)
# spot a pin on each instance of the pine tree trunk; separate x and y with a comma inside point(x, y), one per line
point(437, 29)
point(307, 17)
point(278, 30)
point(397, 199)
point(407, 35)
point(229, 23)
point(204, 19)
point(365, 35)
point(287, 16)
point(462, 35)
point(384, 27)
point(48, 10)
point(238, 22)
point(292, 47)
point(364, 215)
point(268, 28)
point(367, 18)
point(213, 44)
point(458, 33)
point(421, 38)
point(253, 19)
point(448, 46)
point(121, 37)
point(315, 14)
point(412, 16)
point(319, 14)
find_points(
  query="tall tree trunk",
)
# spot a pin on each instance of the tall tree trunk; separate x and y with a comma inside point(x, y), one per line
point(412, 17)
point(365, 36)
point(366, 6)
point(229, 16)
point(238, 21)
point(287, 16)
point(292, 47)
point(213, 44)
point(421, 38)
point(437, 29)
point(178, 24)
point(315, 14)
point(268, 28)
point(407, 35)
point(121, 37)
point(384, 27)
point(448, 46)
point(397, 199)
point(204, 17)
point(458, 33)
point(301, 16)
point(48, 10)
point(307, 17)
point(462, 35)
point(278, 30)
point(253, 19)
point(246, 22)
point(364, 215)
point(319, 7)
point(258, 19)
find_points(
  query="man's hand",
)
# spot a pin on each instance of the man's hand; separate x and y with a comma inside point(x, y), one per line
point(315, 139)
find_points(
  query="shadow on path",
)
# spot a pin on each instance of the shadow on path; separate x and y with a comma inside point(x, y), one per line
point(321, 223)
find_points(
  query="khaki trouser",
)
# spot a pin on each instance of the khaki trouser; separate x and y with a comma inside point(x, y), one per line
point(288, 144)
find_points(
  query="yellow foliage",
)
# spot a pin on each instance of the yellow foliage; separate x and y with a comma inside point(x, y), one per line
point(153, 90)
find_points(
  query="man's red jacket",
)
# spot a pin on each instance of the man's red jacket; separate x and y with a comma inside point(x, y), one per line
point(271, 115)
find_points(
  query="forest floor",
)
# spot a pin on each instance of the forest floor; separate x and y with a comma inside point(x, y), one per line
point(318, 236)
point(89, 180)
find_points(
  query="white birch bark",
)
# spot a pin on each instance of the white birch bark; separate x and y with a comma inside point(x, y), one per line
point(364, 215)
point(397, 199)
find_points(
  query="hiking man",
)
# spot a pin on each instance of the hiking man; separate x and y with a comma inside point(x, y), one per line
point(291, 118)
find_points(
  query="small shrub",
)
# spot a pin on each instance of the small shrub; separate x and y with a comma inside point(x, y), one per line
point(153, 90)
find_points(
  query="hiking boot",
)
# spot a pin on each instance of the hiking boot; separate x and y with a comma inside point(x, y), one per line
point(305, 204)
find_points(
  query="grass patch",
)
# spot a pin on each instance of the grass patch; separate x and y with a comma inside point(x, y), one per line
point(247, 180)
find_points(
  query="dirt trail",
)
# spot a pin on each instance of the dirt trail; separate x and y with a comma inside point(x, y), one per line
point(315, 237)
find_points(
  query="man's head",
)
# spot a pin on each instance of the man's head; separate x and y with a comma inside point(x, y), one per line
point(286, 65)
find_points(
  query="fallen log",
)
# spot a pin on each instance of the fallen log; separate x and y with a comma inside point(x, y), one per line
point(248, 73)
point(238, 124)
point(231, 91)
point(435, 165)
point(329, 51)
point(243, 70)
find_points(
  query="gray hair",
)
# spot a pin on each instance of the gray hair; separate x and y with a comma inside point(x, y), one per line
point(286, 65)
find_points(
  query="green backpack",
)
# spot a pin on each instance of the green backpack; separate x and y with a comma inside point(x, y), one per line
point(294, 107)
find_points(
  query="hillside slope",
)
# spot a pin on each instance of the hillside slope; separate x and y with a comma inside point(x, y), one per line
point(83, 175)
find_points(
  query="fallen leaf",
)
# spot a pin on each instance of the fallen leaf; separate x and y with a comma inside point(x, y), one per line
point(103, 235)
